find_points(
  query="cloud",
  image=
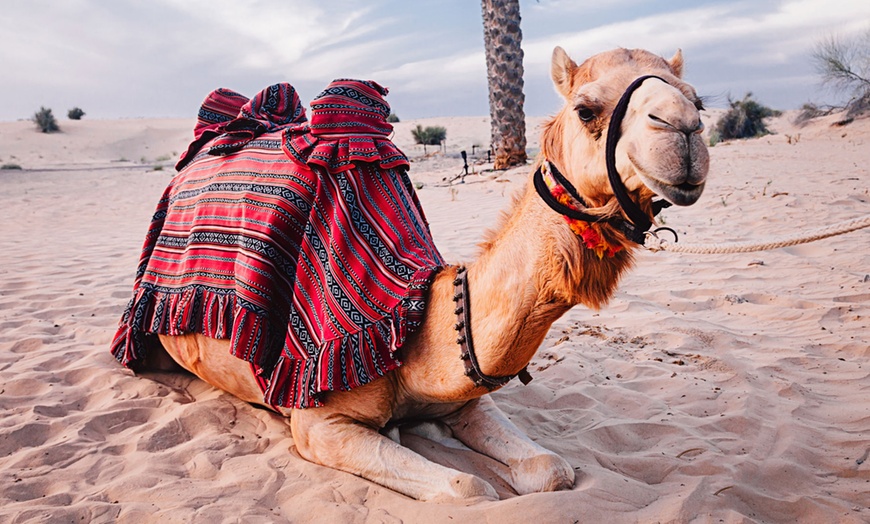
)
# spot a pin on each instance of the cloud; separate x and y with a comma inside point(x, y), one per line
point(278, 34)
point(736, 46)
point(158, 58)
point(783, 31)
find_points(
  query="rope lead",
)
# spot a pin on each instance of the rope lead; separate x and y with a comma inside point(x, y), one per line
point(655, 244)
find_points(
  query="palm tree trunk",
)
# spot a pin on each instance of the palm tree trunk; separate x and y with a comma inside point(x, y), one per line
point(504, 72)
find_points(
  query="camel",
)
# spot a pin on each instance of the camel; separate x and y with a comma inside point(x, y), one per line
point(530, 271)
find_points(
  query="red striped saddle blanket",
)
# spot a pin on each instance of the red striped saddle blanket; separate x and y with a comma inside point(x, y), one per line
point(303, 243)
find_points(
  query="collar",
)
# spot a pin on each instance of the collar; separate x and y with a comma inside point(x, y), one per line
point(466, 344)
point(572, 208)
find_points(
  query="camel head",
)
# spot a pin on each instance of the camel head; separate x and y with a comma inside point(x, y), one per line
point(660, 151)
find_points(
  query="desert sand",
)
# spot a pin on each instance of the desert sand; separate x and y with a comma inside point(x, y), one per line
point(714, 388)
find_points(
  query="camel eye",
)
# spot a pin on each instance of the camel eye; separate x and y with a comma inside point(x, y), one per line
point(699, 104)
point(585, 114)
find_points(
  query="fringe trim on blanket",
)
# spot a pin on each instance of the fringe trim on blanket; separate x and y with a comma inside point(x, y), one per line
point(338, 365)
point(194, 310)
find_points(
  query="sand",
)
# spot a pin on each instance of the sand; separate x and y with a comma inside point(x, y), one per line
point(714, 388)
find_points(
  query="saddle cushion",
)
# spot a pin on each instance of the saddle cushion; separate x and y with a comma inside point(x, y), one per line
point(303, 245)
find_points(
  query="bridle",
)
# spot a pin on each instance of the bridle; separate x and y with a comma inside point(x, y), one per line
point(638, 223)
point(635, 229)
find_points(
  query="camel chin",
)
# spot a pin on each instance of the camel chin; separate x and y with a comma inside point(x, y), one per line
point(684, 194)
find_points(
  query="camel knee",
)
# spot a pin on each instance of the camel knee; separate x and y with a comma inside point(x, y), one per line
point(547, 472)
point(309, 438)
point(336, 441)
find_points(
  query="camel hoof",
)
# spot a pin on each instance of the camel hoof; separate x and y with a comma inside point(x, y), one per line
point(465, 486)
point(548, 472)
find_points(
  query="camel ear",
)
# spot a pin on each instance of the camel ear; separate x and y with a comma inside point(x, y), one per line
point(676, 63)
point(562, 70)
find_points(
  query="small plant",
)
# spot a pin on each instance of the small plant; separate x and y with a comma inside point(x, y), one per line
point(10, 166)
point(430, 136)
point(393, 118)
point(714, 137)
point(45, 120)
point(745, 119)
point(75, 113)
point(810, 111)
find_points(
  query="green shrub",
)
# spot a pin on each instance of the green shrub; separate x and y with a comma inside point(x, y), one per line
point(45, 120)
point(10, 166)
point(745, 119)
point(392, 118)
point(75, 113)
point(430, 136)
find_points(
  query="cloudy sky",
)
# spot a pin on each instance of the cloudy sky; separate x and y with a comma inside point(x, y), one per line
point(159, 58)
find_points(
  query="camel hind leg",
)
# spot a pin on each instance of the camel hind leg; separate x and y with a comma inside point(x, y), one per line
point(210, 359)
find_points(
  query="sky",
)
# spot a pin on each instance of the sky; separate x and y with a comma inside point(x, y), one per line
point(160, 58)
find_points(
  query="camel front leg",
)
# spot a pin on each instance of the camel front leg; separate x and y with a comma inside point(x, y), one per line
point(341, 442)
point(483, 427)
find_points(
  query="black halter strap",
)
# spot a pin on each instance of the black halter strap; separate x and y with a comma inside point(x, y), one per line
point(614, 132)
point(628, 229)
point(555, 205)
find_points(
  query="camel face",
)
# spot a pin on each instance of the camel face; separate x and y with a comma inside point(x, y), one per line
point(660, 151)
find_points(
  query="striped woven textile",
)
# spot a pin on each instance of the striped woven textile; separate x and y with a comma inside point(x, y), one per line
point(308, 250)
point(219, 108)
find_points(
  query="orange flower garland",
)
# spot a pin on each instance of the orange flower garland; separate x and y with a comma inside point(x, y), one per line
point(589, 233)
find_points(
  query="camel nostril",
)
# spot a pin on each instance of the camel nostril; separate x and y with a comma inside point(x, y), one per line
point(693, 129)
point(687, 129)
point(658, 120)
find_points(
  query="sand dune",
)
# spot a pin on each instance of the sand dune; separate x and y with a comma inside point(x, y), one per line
point(714, 388)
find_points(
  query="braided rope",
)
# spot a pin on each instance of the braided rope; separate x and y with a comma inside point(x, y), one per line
point(655, 244)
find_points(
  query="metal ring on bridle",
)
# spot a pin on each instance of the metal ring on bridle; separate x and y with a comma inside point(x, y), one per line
point(655, 235)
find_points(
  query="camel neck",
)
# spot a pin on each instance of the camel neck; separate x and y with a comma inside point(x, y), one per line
point(532, 271)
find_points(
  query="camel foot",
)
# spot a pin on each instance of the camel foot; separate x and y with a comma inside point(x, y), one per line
point(465, 486)
point(481, 426)
point(548, 472)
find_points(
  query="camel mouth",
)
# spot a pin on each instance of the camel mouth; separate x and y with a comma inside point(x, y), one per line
point(682, 194)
